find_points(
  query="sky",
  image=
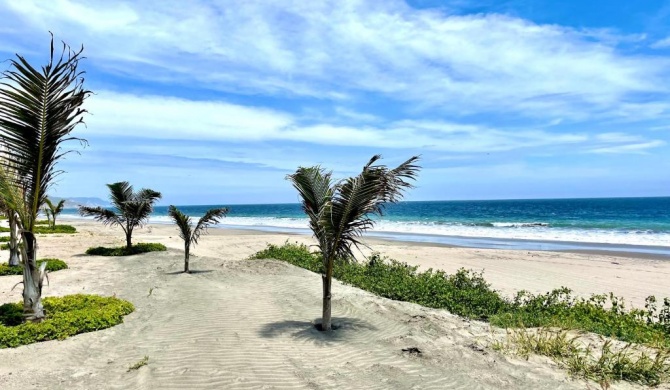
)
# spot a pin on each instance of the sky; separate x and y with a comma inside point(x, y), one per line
point(215, 102)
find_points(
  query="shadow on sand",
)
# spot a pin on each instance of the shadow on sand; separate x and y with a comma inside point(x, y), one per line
point(193, 272)
point(309, 330)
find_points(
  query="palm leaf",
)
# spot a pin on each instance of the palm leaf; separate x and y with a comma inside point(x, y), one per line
point(107, 217)
point(315, 187)
point(60, 206)
point(358, 198)
point(211, 217)
point(120, 194)
point(182, 221)
point(12, 196)
point(38, 111)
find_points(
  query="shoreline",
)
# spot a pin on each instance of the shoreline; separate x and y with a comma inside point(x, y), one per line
point(631, 276)
point(619, 250)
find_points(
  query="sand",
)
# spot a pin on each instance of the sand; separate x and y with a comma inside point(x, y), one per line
point(240, 324)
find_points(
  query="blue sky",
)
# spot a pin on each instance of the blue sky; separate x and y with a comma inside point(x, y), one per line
point(214, 102)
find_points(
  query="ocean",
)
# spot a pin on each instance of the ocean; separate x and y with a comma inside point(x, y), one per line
point(620, 224)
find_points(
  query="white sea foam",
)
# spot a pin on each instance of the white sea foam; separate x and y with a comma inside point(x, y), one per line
point(538, 231)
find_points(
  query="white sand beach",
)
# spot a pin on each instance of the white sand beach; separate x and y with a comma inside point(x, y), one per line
point(240, 324)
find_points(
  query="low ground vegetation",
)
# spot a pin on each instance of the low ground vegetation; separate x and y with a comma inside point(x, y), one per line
point(43, 228)
point(65, 316)
point(67, 229)
point(466, 293)
point(603, 361)
point(125, 251)
point(52, 266)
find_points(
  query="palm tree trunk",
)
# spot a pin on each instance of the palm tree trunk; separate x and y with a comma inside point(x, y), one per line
point(48, 214)
point(13, 240)
point(53, 220)
point(327, 280)
point(129, 238)
point(33, 311)
point(186, 257)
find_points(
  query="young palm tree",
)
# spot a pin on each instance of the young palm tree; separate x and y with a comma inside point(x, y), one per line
point(191, 234)
point(53, 210)
point(13, 234)
point(47, 213)
point(131, 209)
point(39, 108)
point(340, 212)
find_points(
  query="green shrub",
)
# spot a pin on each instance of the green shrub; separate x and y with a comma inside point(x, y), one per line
point(66, 316)
point(45, 229)
point(67, 229)
point(4, 238)
point(123, 251)
point(467, 294)
point(52, 266)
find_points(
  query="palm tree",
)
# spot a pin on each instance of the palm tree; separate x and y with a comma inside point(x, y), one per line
point(131, 209)
point(39, 109)
point(47, 213)
point(339, 212)
point(13, 234)
point(53, 210)
point(191, 234)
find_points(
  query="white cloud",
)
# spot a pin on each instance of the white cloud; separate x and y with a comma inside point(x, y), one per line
point(168, 118)
point(635, 148)
point(338, 49)
point(661, 44)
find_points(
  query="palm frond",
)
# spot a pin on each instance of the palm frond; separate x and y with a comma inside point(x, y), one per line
point(211, 217)
point(147, 195)
point(315, 187)
point(358, 198)
point(182, 221)
point(120, 193)
point(396, 181)
point(107, 217)
point(50, 205)
point(60, 206)
point(38, 111)
point(12, 196)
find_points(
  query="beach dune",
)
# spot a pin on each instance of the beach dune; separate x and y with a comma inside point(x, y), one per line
point(248, 324)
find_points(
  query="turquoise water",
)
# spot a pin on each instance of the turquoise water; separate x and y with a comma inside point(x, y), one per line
point(551, 223)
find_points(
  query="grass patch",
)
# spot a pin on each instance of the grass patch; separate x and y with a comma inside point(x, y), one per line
point(67, 229)
point(66, 316)
point(123, 251)
point(52, 266)
point(42, 222)
point(141, 363)
point(5, 246)
point(467, 294)
point(45, 229)
point(4, 238)
point(602, 362)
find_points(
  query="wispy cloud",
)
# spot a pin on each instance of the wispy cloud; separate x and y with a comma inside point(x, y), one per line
point(462, 64)
point(169, 118)
point(661, 43)
point(635, 148)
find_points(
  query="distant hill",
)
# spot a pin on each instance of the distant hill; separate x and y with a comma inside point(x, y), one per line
point(82, 201)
